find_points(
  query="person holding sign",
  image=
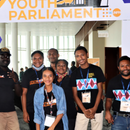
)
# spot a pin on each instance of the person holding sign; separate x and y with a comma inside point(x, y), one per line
point(63, 80)
point(50, 104)
point(8, 83)
point(86, 82)
point(118, 91)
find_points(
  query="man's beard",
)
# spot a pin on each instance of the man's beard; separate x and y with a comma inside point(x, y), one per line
point(125, 74)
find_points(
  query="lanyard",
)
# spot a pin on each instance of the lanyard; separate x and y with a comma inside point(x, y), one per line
point(85, 84)
point(124, 86)
point(39, 82)
point(49, 102)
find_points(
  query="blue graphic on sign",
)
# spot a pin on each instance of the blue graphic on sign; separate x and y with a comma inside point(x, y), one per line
point(0, 39)
point(126, 1)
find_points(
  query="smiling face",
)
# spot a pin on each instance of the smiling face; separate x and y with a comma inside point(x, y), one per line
point(81, 57)
point(4, 59)
point(52, 56)
point(37, 60)
point(48, 77)
point(124, 68)
point(61, 67)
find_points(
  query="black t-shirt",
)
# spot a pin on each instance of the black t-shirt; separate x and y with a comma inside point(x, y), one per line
point(30, 82)
point(6, 92)
point(65, 84)
point(95, 76)
point(115, 91)
point(73, 68)
point(46, 106)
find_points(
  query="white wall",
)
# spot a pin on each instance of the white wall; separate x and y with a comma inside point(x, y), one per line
point(96, 48)
point(114, 39)
point(126, 37)
point(99, 49)
point(90, 50)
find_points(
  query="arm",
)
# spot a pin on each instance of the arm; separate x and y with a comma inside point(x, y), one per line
point(38, 106)
point(37, 126)
point(25, 114)
point(108, 115)
point(58, 118)
point(18, 89)
point(78, 101)
point(17, 86)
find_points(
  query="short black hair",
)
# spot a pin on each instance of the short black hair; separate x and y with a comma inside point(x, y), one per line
point(80, 48)
point(21, 69)
point(51, 69)
point(66, 62)
point(54, 49)
point(123, 58)
point(73, 63)
point(41, 53)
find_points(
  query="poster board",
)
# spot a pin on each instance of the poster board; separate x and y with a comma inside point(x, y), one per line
point(94, 61)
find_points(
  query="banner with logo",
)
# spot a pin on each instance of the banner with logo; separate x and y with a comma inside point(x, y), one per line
point(63, 10)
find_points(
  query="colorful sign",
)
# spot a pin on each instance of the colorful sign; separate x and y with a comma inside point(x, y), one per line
point(63, 10)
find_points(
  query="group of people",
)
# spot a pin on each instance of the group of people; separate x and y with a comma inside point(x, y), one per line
point(22, 73)
point(54, 100)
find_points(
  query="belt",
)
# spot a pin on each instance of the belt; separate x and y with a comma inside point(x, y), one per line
point(121, 114)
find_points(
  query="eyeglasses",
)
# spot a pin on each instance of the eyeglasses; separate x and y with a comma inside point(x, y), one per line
point(4, 56)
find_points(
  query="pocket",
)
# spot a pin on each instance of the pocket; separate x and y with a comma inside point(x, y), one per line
point(115, 117)
point(99, 117)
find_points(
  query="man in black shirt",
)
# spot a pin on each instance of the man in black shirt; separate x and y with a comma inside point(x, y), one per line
point(119, 90)
point(8, 82)
point(86, 82)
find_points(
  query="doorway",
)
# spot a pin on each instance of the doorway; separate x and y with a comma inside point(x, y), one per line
point(111, 57)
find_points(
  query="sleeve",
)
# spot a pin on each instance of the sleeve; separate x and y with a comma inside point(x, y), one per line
point(73, 79)
point(100, 76)
point(62, 103)
point(109, 93)
point(37, 109)
point(25, 80)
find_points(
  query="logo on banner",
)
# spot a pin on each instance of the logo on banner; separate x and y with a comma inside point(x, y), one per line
point(116, 12)
point(108, 12)
point(2, 2)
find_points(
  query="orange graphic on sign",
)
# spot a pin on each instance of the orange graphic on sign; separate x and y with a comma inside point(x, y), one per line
point(2, 2)
point(65, 1)
point(116, 12)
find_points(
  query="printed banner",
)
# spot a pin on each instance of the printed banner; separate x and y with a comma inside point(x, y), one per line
point(63, 10)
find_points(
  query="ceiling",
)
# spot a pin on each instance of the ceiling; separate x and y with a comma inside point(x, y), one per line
point(47, 28)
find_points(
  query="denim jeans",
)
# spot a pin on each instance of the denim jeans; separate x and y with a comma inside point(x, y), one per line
point(121, 123)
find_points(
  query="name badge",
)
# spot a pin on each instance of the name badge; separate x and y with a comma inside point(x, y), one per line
point(86, 97)
point(125, 106)
point(49, 120)
point(54, 101)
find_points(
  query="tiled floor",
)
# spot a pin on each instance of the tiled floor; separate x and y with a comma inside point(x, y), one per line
point(24, 126)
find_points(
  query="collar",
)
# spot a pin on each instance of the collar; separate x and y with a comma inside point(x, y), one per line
point(39, 68)
point(62, 76)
